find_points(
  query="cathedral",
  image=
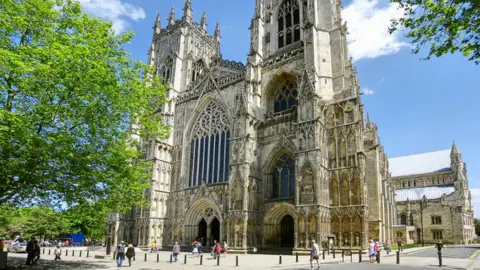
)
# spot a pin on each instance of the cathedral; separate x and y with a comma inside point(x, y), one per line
point(269, 154)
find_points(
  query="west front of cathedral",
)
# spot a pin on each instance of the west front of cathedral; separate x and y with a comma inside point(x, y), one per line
point(268, 154)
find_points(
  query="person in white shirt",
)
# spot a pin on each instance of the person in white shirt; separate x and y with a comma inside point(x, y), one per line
point(315, 254)
point(57, 252)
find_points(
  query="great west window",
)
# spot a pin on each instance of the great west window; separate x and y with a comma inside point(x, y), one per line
point(288, 22)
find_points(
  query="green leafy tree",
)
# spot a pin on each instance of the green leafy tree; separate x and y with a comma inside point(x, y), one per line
point(69, 96)
point(88, 219)
point(444, 26)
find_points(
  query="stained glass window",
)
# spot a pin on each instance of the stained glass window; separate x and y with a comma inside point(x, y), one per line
point(286, 98)
point(167, 69)
point(288, 22)
point(284, 177)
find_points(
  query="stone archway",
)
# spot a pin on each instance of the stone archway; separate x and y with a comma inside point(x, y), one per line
point(204, 217)
point(277, 220)
point(287, 230)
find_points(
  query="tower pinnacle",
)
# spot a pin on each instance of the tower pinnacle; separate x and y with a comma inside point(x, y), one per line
point(187, 11)
point(158, 24)
point(171, 17)
point(216, 35)
point(203, 21)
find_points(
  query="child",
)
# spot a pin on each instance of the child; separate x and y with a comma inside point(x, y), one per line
point(57, 252)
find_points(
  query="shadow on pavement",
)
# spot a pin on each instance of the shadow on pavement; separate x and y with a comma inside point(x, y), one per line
point(19, 263)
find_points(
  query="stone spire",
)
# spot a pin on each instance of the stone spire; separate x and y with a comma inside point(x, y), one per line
point(158, 24)
point(455, 155)
point(187, 11)
point(216, 35)
point(171, 17)
point(203, 21)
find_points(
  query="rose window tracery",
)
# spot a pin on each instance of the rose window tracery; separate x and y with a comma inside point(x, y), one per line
point(210, 147)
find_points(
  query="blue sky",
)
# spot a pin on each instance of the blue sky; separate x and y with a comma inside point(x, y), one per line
point(419, 106)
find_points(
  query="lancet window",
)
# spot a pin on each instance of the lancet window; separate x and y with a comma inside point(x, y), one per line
point(167, 69)
point(197, 70)
point(210, 147)
point(283, 176)
point(286, 97)
point(288, 22)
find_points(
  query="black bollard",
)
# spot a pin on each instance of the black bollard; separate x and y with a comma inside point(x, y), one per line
point(49, 251)
point(133, 258)
point(201, 259)
point(343, 255)
point(378, 256)
point(73, 253)
point(351, 256)
point(80, 253)
point(359, 256)
point(333, 252)
point(66, 252)
point(440, 259)
point(296, 255)
point(323, 255)
point(145, 256)
point(170, 258)
point(218, 259)
point(158, 257)
point(43, 250)
point(236, 260)
point(398, 256)
point(88, 253)
point(280, 259)
point(185, 260)
point(114, 254)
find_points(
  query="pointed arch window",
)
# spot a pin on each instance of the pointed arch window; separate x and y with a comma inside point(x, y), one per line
point(283, 174)
point(286, 97)
point(288, 22)
point(210, 147)
point(167, 69)
point(197, 70)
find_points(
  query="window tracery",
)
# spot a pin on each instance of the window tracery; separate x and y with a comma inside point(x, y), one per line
point(210, 147)
point(288, 22)
point(197, 70)
point(286, 97)
point(167, 69)
point(284, 177)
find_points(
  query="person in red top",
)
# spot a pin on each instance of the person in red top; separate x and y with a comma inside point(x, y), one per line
point(400, 244)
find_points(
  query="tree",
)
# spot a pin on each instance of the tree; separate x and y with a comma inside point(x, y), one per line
point(477, 226)
point(445, 26)
point(71, 100)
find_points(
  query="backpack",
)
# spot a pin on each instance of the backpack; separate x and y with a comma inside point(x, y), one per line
point(121, 248)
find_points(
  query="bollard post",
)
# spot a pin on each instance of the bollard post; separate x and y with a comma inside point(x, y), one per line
point(73, 253)
point(343, 255)
point(88, 253)
point(158, 257)
point(114, 254)
point(359, 256)
point(185, 260)
point(351, 256)
point(333, 252)
point(398, 256)
point(440, 259)
point(49, 251)
point(218, 259)
point(323, 255)
point(80, 253)
point(280, 259)
point(43, 250)
point(378, 256)
point(170, 258)
point(236, 260)
point(201, 259)
point(133, 258)
point(145, 256)
point(296, 255)
point(66, 252)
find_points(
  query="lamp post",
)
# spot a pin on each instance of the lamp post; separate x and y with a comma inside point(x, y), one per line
point(23, 226)
point(423, 205)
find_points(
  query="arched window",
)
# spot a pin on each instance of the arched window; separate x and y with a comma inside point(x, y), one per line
point(167, 69)
point(197, 70)
point(284, 177)
point(286, 98)
point(403, 219)
point(210, 147)
point(288, 22)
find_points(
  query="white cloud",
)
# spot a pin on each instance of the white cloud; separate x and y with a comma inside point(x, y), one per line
point(475, 192)
point(368, 91)
point(367, 24)
point(117, 11)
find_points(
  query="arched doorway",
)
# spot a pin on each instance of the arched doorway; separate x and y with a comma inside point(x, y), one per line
point(215, 227)
point(202, 229)
point(287, 231)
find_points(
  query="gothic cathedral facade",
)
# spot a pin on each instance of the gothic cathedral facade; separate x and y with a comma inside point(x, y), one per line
point(268, 154)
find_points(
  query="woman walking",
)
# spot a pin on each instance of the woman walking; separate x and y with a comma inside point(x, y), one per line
point(130, 254)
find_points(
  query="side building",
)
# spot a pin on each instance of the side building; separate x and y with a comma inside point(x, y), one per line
point(432, 198)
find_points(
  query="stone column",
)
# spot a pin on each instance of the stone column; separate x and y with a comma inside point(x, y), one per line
point(319, 229)
point(295, 235)
point(306, 231)
point(228, 232)
point(244, 230)
point(209, 233)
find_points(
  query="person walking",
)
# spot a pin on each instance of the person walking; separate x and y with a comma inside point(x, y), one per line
point(314, 254)
point(176, 251)
point(130, 254)
point(225, 248)
point(371, 251)
point(387, 247)
point(400, 244)
point(120, 253)
point(195, 249)
point(57, 252)
point(30, 250)
point(36, 252)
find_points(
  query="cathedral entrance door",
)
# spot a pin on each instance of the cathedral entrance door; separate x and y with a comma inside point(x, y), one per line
point(202, 229)
point(215, 227)
point(287, 231)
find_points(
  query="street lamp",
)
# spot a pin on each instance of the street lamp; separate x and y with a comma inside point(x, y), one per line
point(423, 205)
point(23, 226)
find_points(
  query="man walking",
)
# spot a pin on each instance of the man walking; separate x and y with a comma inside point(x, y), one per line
point(30, 251)
point(57, 252)
point(315, 254)
point(120, 254)
point(176, 251)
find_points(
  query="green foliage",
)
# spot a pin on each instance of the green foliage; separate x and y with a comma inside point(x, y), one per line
point(477, 226)
point(69, 95)
point(445, 26)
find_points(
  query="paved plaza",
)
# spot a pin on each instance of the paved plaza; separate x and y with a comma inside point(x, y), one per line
point(461, 257)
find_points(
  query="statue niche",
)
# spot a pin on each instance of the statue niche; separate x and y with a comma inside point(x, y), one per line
point(307, 189)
